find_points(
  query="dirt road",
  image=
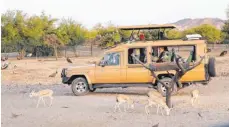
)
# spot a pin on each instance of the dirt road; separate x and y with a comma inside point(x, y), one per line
point(96, 109)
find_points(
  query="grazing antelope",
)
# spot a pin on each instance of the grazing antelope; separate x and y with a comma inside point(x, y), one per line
point(159, 102)
point(121, 99)
point(41, 94)
point(150, 103)
point(194, 95)
point(154, 93)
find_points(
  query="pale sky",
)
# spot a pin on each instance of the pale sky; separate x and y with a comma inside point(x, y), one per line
point(121, 12)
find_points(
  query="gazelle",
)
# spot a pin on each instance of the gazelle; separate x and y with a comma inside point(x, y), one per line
point(122, 99)
point(159, 102)
point(179, 68)
point(41, 94)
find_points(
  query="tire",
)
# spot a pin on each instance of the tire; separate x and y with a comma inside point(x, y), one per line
point(162, 89)
point(207, 75)
point(211, 67)
point(80, 86)
point(92, 90)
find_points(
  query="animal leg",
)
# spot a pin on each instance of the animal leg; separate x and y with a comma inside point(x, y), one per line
point(115, 107)
point(192, 101)
point(161, 111)
point(38, 102)
point(51, 99)
point(124, 106)
point(118, 105)
point(157, 108)
point(146, 109)
point(43, 101)
point(196, 100)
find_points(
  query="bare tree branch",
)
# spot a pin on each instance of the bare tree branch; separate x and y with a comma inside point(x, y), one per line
point(152, 69)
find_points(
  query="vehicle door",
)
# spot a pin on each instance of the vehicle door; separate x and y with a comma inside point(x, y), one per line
point(189, 54)
point(109, 69)
point(135, 72)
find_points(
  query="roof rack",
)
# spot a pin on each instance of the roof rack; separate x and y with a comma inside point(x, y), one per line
point(193, 37)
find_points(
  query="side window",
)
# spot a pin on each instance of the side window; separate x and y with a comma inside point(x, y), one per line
point(112, 59)
point(187, 53)
point(164, 53)
point(140, 53)
point(154, 54)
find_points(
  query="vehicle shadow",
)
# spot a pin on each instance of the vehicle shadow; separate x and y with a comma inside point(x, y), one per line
point(113, 93)
point(221, 125)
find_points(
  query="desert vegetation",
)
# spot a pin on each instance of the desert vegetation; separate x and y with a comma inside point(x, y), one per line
point(43, 35)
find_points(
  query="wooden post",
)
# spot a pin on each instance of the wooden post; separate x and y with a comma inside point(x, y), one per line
point(65, 52)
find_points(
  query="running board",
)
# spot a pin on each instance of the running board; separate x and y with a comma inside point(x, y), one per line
point(121, 85)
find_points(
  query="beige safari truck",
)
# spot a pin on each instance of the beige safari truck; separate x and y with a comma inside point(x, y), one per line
point(117, 68)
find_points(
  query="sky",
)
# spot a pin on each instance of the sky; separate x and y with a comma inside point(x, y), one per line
point(121, 12)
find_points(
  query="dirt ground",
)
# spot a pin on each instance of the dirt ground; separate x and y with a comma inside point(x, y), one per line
point(96, 109)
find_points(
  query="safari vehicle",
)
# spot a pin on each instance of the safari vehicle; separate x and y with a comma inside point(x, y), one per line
point(117, 68)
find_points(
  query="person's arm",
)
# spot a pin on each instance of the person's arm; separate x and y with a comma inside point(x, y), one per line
point(161, 57)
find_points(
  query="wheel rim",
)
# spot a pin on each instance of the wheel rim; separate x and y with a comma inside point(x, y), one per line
point(81, 87)
point(163, 88)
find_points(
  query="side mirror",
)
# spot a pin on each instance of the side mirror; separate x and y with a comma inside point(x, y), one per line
point(102, 63)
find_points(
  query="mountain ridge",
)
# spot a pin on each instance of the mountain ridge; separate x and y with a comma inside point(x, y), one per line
point(187, 23)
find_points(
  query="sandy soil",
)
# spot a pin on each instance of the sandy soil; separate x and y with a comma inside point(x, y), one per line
point(96, 109)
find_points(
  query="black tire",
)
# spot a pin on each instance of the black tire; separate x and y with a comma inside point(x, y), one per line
point(93, 89)
point(162, 89)
point(207, 76)
point(211, 67)
point(80, 86)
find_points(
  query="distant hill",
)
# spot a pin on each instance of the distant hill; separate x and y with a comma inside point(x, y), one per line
point(189, 23)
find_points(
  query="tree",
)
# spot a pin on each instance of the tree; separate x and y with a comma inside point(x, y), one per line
point(109, 35)
point(181, 69)
point(209, 32)
point(174, 34)
point(225, 28)
point(92, 36)
point(54, 41)
point(71, 33)
point(11, 28)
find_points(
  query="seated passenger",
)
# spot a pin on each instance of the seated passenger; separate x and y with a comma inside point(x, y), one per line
point(142, 56)
point(130, 58)
point(165, 55)
point(142, 36)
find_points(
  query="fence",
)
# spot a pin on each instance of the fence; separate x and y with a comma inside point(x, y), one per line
point(84, 51)
point(218, 46)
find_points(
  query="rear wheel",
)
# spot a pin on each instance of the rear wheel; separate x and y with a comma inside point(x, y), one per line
point(80, 86)
point(211, 67)
point(162, 88)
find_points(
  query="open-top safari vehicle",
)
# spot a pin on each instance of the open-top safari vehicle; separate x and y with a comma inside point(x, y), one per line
point(119, 67)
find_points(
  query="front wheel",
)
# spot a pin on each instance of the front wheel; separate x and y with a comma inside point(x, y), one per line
point(162, 88)
point(80, 86)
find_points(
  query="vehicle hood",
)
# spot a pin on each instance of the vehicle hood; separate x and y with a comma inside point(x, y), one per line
point(81, 66)
point(79, 69)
